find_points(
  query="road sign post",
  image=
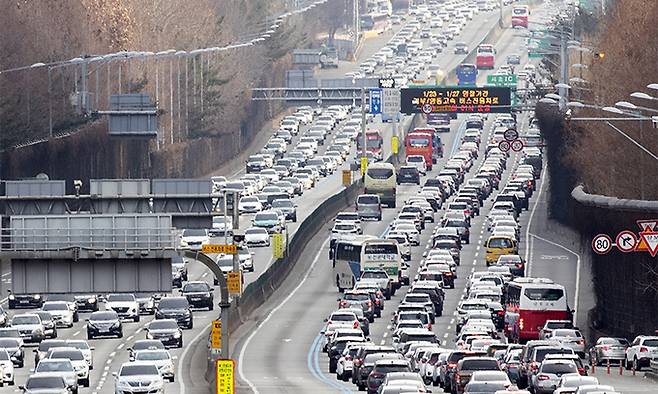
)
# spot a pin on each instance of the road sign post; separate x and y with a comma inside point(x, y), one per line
point(375, 101)
point(278, 248)
point(347, 178)
point(234, 282)
point(602, 244)
point(626, 241)
point(219, 248)
point(216, 335)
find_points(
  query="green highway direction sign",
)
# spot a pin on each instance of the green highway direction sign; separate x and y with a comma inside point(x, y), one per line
point(502, 80)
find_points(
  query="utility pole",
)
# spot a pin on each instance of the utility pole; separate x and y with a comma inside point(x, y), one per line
point(364, 155)
point(564, 68)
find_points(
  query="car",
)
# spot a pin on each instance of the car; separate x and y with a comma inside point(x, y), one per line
point(641, 351)
point(461, 48)
point(287, 207)
point(83, 346)
point(147, 302)
point(24, 300)
point(381, 278)
point(194, 238)
point(550, 325)
point(250, 204)
point(7, 368)
point(45, 384)
point(49, 325)
point(29, 327)
point(465, 369)
point(125, 305)
point(77, 359)
point(199, 294)
point(608, 350)
point(87, 303)
point(550, 372)
point(419, 162)
point(257, 236)
point(570, 338)
point(569, 383)
point(166, 331)
point(42, 350)
point(60, 311)
point(144, 344)
point(513, 59)
point(14, 347)
point(177, 308)
point(143, 374)
point(103, 324)
point(246, 258)
point(59, 367)
point(408, 174)
point(161, 359)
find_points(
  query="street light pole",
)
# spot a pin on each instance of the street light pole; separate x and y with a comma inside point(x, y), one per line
point(364, 155)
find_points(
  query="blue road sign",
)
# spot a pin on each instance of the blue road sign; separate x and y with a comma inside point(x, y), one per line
point(375, 101)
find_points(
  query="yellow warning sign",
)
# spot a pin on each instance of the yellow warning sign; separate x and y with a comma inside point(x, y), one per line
point(395, 144)
point(225, 377)
point(234, 282)
point(278, 247)
point(347, 177)
point(225, 249)
point(216, 335)
point(364, 165)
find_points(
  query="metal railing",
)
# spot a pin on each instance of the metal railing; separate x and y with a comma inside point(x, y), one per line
point(49, 239)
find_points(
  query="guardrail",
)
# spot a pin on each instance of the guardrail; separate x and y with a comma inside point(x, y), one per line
point(44, 239)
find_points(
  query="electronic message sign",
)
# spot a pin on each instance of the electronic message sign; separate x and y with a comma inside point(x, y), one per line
point(455, 100)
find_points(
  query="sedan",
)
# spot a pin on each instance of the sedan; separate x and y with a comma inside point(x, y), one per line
point(161, 359)
point(257, 236)
point(166, 331)
point(40, 384)
point(608, 349)
point(199, 294)
point(104, 323)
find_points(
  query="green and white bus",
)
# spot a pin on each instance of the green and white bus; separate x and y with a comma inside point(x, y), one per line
point(361, 253)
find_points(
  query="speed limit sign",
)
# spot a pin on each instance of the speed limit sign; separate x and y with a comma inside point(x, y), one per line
point(602, 244)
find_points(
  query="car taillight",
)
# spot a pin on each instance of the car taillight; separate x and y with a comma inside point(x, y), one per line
point(605, 347)
point(369, 304)
point(581, 371)
point(378, 302)
point(329, 322)
point(542, 377)
point(501, 313)
point(356, 324)
point(533, 366)
point(519, 265)
point(348, 358)
point(521, 324)
point(457, 377)
point(452, 365)
point(379, 294)
point(643, 349)
point(448, 274)
point(357, 362)
point(581, 342)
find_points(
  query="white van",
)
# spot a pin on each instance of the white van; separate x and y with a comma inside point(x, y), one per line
point(381, 179)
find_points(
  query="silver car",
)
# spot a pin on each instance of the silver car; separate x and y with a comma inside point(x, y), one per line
point(369, 206)
point(549, 375)
point(59, 367)
point(29, 327)
point(139, 373)
point(608, 349)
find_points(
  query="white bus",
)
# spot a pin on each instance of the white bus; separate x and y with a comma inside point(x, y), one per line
point(361, 253)
point(381, 179)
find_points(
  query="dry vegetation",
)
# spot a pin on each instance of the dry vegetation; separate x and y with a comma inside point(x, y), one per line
point(605, 161)
point(216, 87)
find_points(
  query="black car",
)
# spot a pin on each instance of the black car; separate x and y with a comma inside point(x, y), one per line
point(24, 300)
point(177, 308)
point(104, 324)
point(15, 349)
point(165, 331)
point(144, 344)
point(199, 294)
point(87, 303)
point(408, 174)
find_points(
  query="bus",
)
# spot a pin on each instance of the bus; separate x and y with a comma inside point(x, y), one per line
point(374, 143)
point(485, 57)
point(381, 179)
point(529, 303)
point(432, 152)
point(520, 15)
point(364, 252)
point(467, 74)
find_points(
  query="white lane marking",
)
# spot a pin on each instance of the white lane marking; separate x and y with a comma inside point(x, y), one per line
point(105, 373)
point(109, 361)
point(107, 368)
point(120, 346)
point(445, 335)
point(130, 338)
point(475, 262)
point(260, 325)
point(139, 330)
point(532, 214)
point(478, 248)
point(382, 342)
point(385, 335)
point(204, 275)
point(449, 327)
point(113, 354)
point(76, 333)
point(452, 321)
point(575, 297)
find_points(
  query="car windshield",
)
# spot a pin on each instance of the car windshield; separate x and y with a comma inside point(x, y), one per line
point(255, 231)
point(45, 345)
point(73, 355)
point(282, 204)
point(194, 233)
point(559, 368)
point(54, 366)
point(163, 325)
point(8, 342)
point(103, 316)
point(500, 243)
point(195, 287)
point(266, 217)
point(485, 388)
point(380, 173)
point(148, 344)
point(650, 342)
point(480, 365)
point(45, 382)
point(132, 370)
point(25, 320)
point(367, 200)
point(418, 142)
point(374, 274)
point(82, 345)
point(545, 295)
point(174, 303)
point(150, 356)
point(54, 306)
point(344, 226)
point(342, 317)
point(120, 298)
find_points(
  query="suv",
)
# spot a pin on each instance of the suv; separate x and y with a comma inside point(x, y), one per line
point(641, 352)
point(125, 305)
point(466, 367)
point(383, 367)
point(369, 206)
point(408, 174)
point(551, 325)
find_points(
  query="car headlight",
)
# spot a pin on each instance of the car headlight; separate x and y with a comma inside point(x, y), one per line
point(149, 335)
point(91, 300)
point(79, 367)
point(121, 383)
point(37, 296)
point(116, 324)
point(11, 297)
point(156, 384)
point(177, 335)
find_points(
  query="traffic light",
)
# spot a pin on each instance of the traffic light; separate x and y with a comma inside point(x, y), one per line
point(599, 55)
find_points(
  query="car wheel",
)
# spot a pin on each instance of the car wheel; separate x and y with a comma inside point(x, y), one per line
point(89, 336)
point(21, 363)
point(636, 365)
point(627, 364)
point(136, 319)
point(76, 318)
point(12, 383)
point(180, 343)
point(85, 382)
point(211, 306)
point(191, 325)
point(120, 335)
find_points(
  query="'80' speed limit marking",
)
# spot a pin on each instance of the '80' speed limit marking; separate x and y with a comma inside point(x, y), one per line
point(602, 244)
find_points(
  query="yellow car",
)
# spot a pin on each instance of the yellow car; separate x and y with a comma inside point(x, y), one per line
point(498, 245)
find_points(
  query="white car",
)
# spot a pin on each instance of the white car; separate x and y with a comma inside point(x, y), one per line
point(411, 231)
point(7, 367)
point(194, 238)
point(257, 236)
point(60, 311)
point(641, 351)
point(144, 374)
point(417, 161)
point(161, 358)
point(83, 346)
point(250, 204)
point(61, 368)
point(77, 359)
point(125, 305)
point(570, 338)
